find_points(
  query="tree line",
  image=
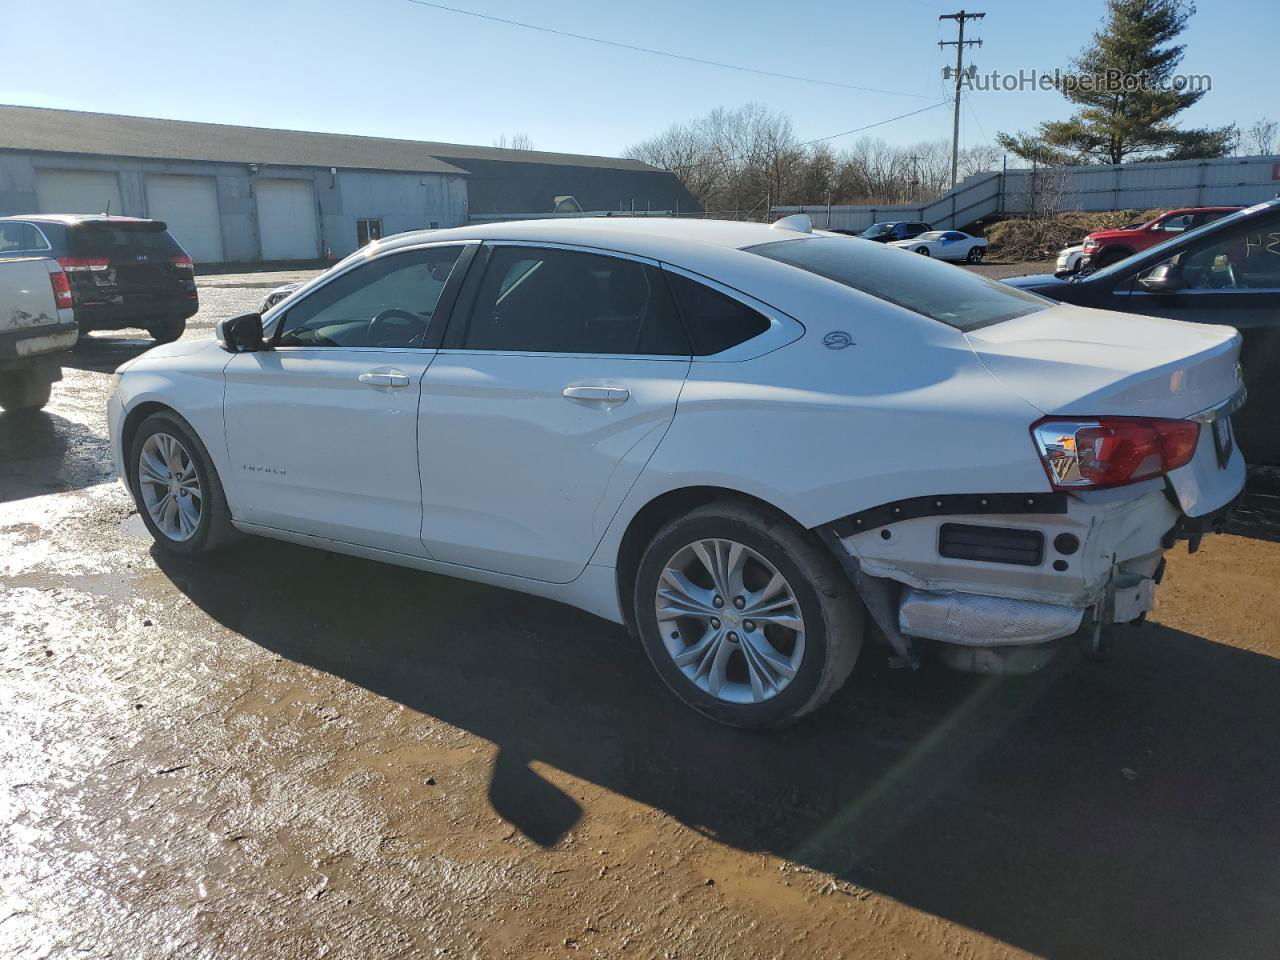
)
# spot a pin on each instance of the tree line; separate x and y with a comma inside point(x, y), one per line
point(740, 162)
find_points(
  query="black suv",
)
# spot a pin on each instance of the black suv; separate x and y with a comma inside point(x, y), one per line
point(1225, 272)
point(124, 272)
point(894, 230)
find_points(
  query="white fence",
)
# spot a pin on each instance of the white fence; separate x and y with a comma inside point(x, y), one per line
point(1130, 186)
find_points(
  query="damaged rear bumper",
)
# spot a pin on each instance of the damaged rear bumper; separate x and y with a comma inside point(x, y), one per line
point(998, 586)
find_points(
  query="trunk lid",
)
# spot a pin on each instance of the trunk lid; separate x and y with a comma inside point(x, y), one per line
point(1075, 361)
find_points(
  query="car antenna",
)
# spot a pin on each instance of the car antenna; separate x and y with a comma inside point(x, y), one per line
point(107, 212)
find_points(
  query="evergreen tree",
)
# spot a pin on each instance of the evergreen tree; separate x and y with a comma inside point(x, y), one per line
point(1119, 120)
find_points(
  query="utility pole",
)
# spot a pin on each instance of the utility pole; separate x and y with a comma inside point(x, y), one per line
point(914, 183)
point(959, 43)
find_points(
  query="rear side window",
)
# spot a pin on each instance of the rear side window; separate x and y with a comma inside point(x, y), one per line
point(547, 300)
point(951, 295)
point(715, 322)
point(123, 240)
point(20, 236)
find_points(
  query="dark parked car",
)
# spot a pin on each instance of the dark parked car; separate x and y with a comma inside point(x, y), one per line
point(124, 272)
point(1226, 272)
point(894, 230)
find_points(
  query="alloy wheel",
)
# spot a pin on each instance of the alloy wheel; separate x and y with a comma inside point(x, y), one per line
point(170, 486)
point(730, 621)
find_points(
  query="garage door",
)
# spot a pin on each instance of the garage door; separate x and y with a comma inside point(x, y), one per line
point(77, 191)
point(189, 205)
point(287, 220)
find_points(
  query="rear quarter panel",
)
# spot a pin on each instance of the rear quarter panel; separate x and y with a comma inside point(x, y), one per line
point(907, 410)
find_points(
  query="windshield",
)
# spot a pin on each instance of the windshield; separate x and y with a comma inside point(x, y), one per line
point(931, 235)
point(877, 229)
point(948, 294)
point(1128, 262)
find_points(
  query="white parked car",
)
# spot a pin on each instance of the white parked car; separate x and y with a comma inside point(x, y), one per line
point(1069, 260)
point(737, 439)
point(946, 245)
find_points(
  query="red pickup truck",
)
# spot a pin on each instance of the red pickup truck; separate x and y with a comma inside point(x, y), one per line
point(1104, 247)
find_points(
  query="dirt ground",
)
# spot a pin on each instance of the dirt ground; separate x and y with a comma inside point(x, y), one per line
point(287, 753)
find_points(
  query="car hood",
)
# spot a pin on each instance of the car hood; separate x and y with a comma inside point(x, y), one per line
point(1111, 234)
point(1036, 281)
point(904, 243)
point(1075, 361)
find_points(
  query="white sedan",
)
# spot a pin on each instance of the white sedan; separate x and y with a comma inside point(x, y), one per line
point(946, 245)
point(737, 439)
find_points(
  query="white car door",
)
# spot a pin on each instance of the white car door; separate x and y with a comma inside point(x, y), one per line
point(558, 378)
point(321, 429)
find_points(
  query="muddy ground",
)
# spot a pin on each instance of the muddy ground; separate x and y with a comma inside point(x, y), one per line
point(287, 753)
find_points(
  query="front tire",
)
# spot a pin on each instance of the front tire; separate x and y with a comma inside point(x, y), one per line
point(747, 618)
point(923, 251)
point(176, 487)
point(167, 331)
point(25, 390)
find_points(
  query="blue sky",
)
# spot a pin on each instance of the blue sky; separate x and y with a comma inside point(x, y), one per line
point(392, 68)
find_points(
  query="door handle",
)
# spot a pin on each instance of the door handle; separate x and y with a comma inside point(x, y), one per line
point(596, 393)
point(384, 378)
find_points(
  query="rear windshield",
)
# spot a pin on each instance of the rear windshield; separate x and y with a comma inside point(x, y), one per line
point(952, 295)
point(123, 240)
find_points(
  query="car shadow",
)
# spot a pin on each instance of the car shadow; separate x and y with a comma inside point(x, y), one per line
point(42, 453)
point(101, 353)
point(1126, 809)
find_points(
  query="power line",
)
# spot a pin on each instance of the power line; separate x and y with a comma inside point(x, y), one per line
point(661, 53)
point(808, 143)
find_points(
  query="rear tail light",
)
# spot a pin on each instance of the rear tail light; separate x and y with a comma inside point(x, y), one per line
point(83, 264)
point(1112, 451)
point(1090, 246)
point(61, 289)
point(183, 262)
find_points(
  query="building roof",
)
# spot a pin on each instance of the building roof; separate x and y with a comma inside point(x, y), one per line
point(72, 131)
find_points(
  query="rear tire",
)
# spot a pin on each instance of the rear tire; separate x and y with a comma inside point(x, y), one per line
point(975, 254)
point(758, 673)
point(25, 390)
point(167, 331)
point(166, 457)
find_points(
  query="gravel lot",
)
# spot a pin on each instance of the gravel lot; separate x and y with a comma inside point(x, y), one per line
point(287, 753)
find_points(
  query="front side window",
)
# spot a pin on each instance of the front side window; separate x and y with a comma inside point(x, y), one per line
point(20, 236)
point(958, 298)
point(1244, 258)
point(1176, 224)
point(387, 302)
point(545, 300)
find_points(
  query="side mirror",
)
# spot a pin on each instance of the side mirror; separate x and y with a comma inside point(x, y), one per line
point(242, 334)
point(1162, 278)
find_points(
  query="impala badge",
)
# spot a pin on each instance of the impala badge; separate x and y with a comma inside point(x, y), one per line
point(837, 340)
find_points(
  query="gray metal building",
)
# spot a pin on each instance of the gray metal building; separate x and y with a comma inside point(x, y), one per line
point(243, 194)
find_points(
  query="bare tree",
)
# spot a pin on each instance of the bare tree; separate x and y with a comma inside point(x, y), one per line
point(517, 141)
point(1261, 137)
point(739, 162)
point(980, 159)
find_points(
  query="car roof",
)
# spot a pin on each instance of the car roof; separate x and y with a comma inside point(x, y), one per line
point(1201, 209)
point(70, 218)
point(637, 235)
